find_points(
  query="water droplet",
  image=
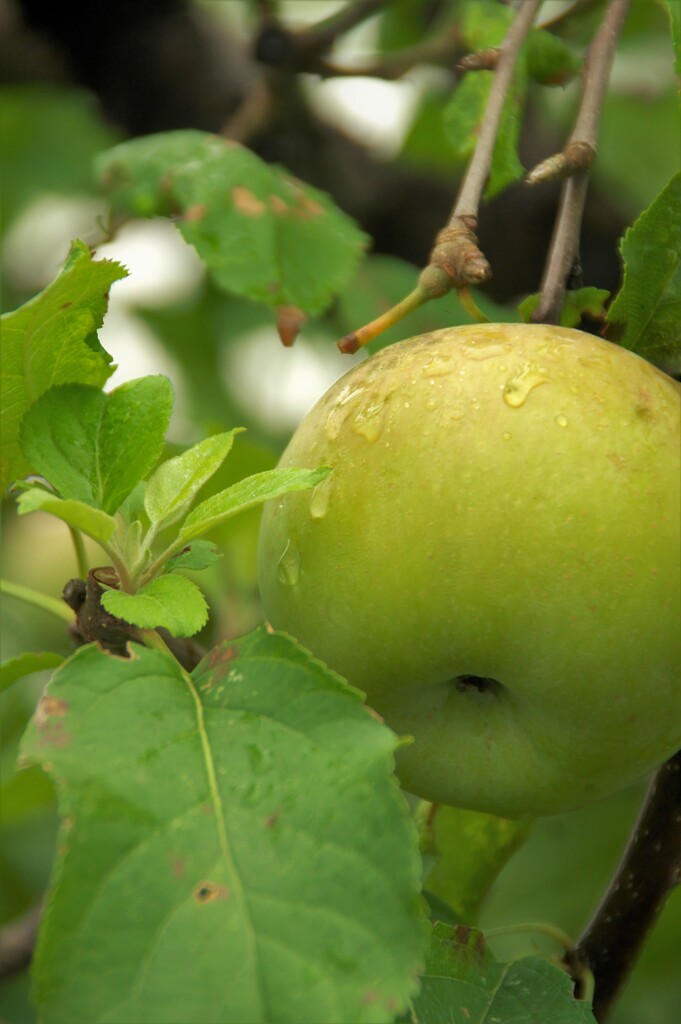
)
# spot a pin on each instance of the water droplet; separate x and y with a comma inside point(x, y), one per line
point(506, 436)
point(368, 422)
point(437, 366)
point(288, 569)
point(482, 349)
point(518, 387)
point(338, 415)
point(457, 413)
point(320, 498)
point(561, 420)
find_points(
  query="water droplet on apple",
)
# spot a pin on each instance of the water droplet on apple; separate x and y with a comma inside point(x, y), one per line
point(320, 498)
point(483, 348)
point(340, 411)
point(561, 420)
point(457, 413)
point(518, 387)
point(506, 436)
point(288, 569)
point(437, 366)
point(368, 422)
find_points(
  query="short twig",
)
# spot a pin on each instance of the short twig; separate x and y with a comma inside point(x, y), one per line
point(391, 66)
point(650, 869)
point(575, 160)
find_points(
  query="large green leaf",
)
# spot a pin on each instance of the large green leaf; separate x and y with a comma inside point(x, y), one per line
point(464, 984)
point(93, 521)
point(95, 447)
point(649, 304)
point(52, 340)
point(234, 847)
point(262, 233)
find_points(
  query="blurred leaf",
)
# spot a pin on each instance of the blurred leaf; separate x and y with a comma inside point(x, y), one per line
point(48, 138)
point(175, 483)
point(484, 23)
point(550, 61)
point(427, 142)
point(648, 306)
point(251, 491)
point(464, 115)
point(576, 304)
point(464, 984)
point(170, 601)
point(234, 827)
point(25, 664)
point(200, 554)
point(403, 22)
point(96, 447)
point(262, 233)
point(92, 521)
point(469, 850)
point(52, 340)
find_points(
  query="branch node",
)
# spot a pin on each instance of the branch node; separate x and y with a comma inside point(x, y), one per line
point(456, 260)
point(481, 60)
point(577, 156)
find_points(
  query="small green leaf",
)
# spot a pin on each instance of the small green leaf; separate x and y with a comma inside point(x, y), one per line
point(95, 447)
point(464, 984)
point(550, 60)
point(25, 664)
point(92, 521)
point(170, 601)
point(647, 311)
point(175, 483)
point(576, 304)
point(468, 850)
point(200, 554)
point(242, 495)
point(240, 828)
point(263, 234)
point(52, 340)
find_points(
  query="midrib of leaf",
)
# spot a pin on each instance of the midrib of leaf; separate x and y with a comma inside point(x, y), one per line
point(221, 825)
point(493, 993)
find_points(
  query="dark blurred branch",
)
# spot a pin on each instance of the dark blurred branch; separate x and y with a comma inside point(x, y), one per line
point(575, 160)
point(17, 942)
point(650, 869)
point(302, 50)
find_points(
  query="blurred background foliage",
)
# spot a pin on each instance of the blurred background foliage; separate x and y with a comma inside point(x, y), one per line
point(73, 82)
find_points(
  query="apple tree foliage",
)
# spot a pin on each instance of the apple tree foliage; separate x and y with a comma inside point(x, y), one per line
point(228, 841)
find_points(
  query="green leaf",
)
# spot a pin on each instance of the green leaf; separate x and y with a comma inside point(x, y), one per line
point(251, 491)
point(468, 849)
point(464, 115)
point(96, 447)
point(464, 984)
point(175, 483)
point(576, 304)
point(647, 311)
point(262, 233)
point(550, 60)
point(234, 847)
point(25, 664)
point(52, 340)
point(200, 554)
point(174, 602)
point(91, 521)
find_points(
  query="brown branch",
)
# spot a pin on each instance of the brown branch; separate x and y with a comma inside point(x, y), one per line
point(392, 66)
point(17, 942)
point(650, 869)
point(576, 159)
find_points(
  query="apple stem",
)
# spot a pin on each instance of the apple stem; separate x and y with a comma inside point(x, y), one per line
point(649, 871)
point(352, 342)
point(574, 163)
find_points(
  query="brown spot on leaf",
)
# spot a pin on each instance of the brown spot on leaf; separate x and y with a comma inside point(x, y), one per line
point(207, 809)
point(290, 319)
point(50, 707)
point(65, 305)
point(195, 212)
point(279, 206)
point(245, 202)
point(371, 996)
point(273, 819)
point(307, 208)
point(208, 892)
point(179, 866)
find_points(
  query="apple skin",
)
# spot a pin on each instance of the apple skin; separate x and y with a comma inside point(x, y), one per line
point(504, 506)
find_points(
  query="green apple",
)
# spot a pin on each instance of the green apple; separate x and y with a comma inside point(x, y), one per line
point(494, 560)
